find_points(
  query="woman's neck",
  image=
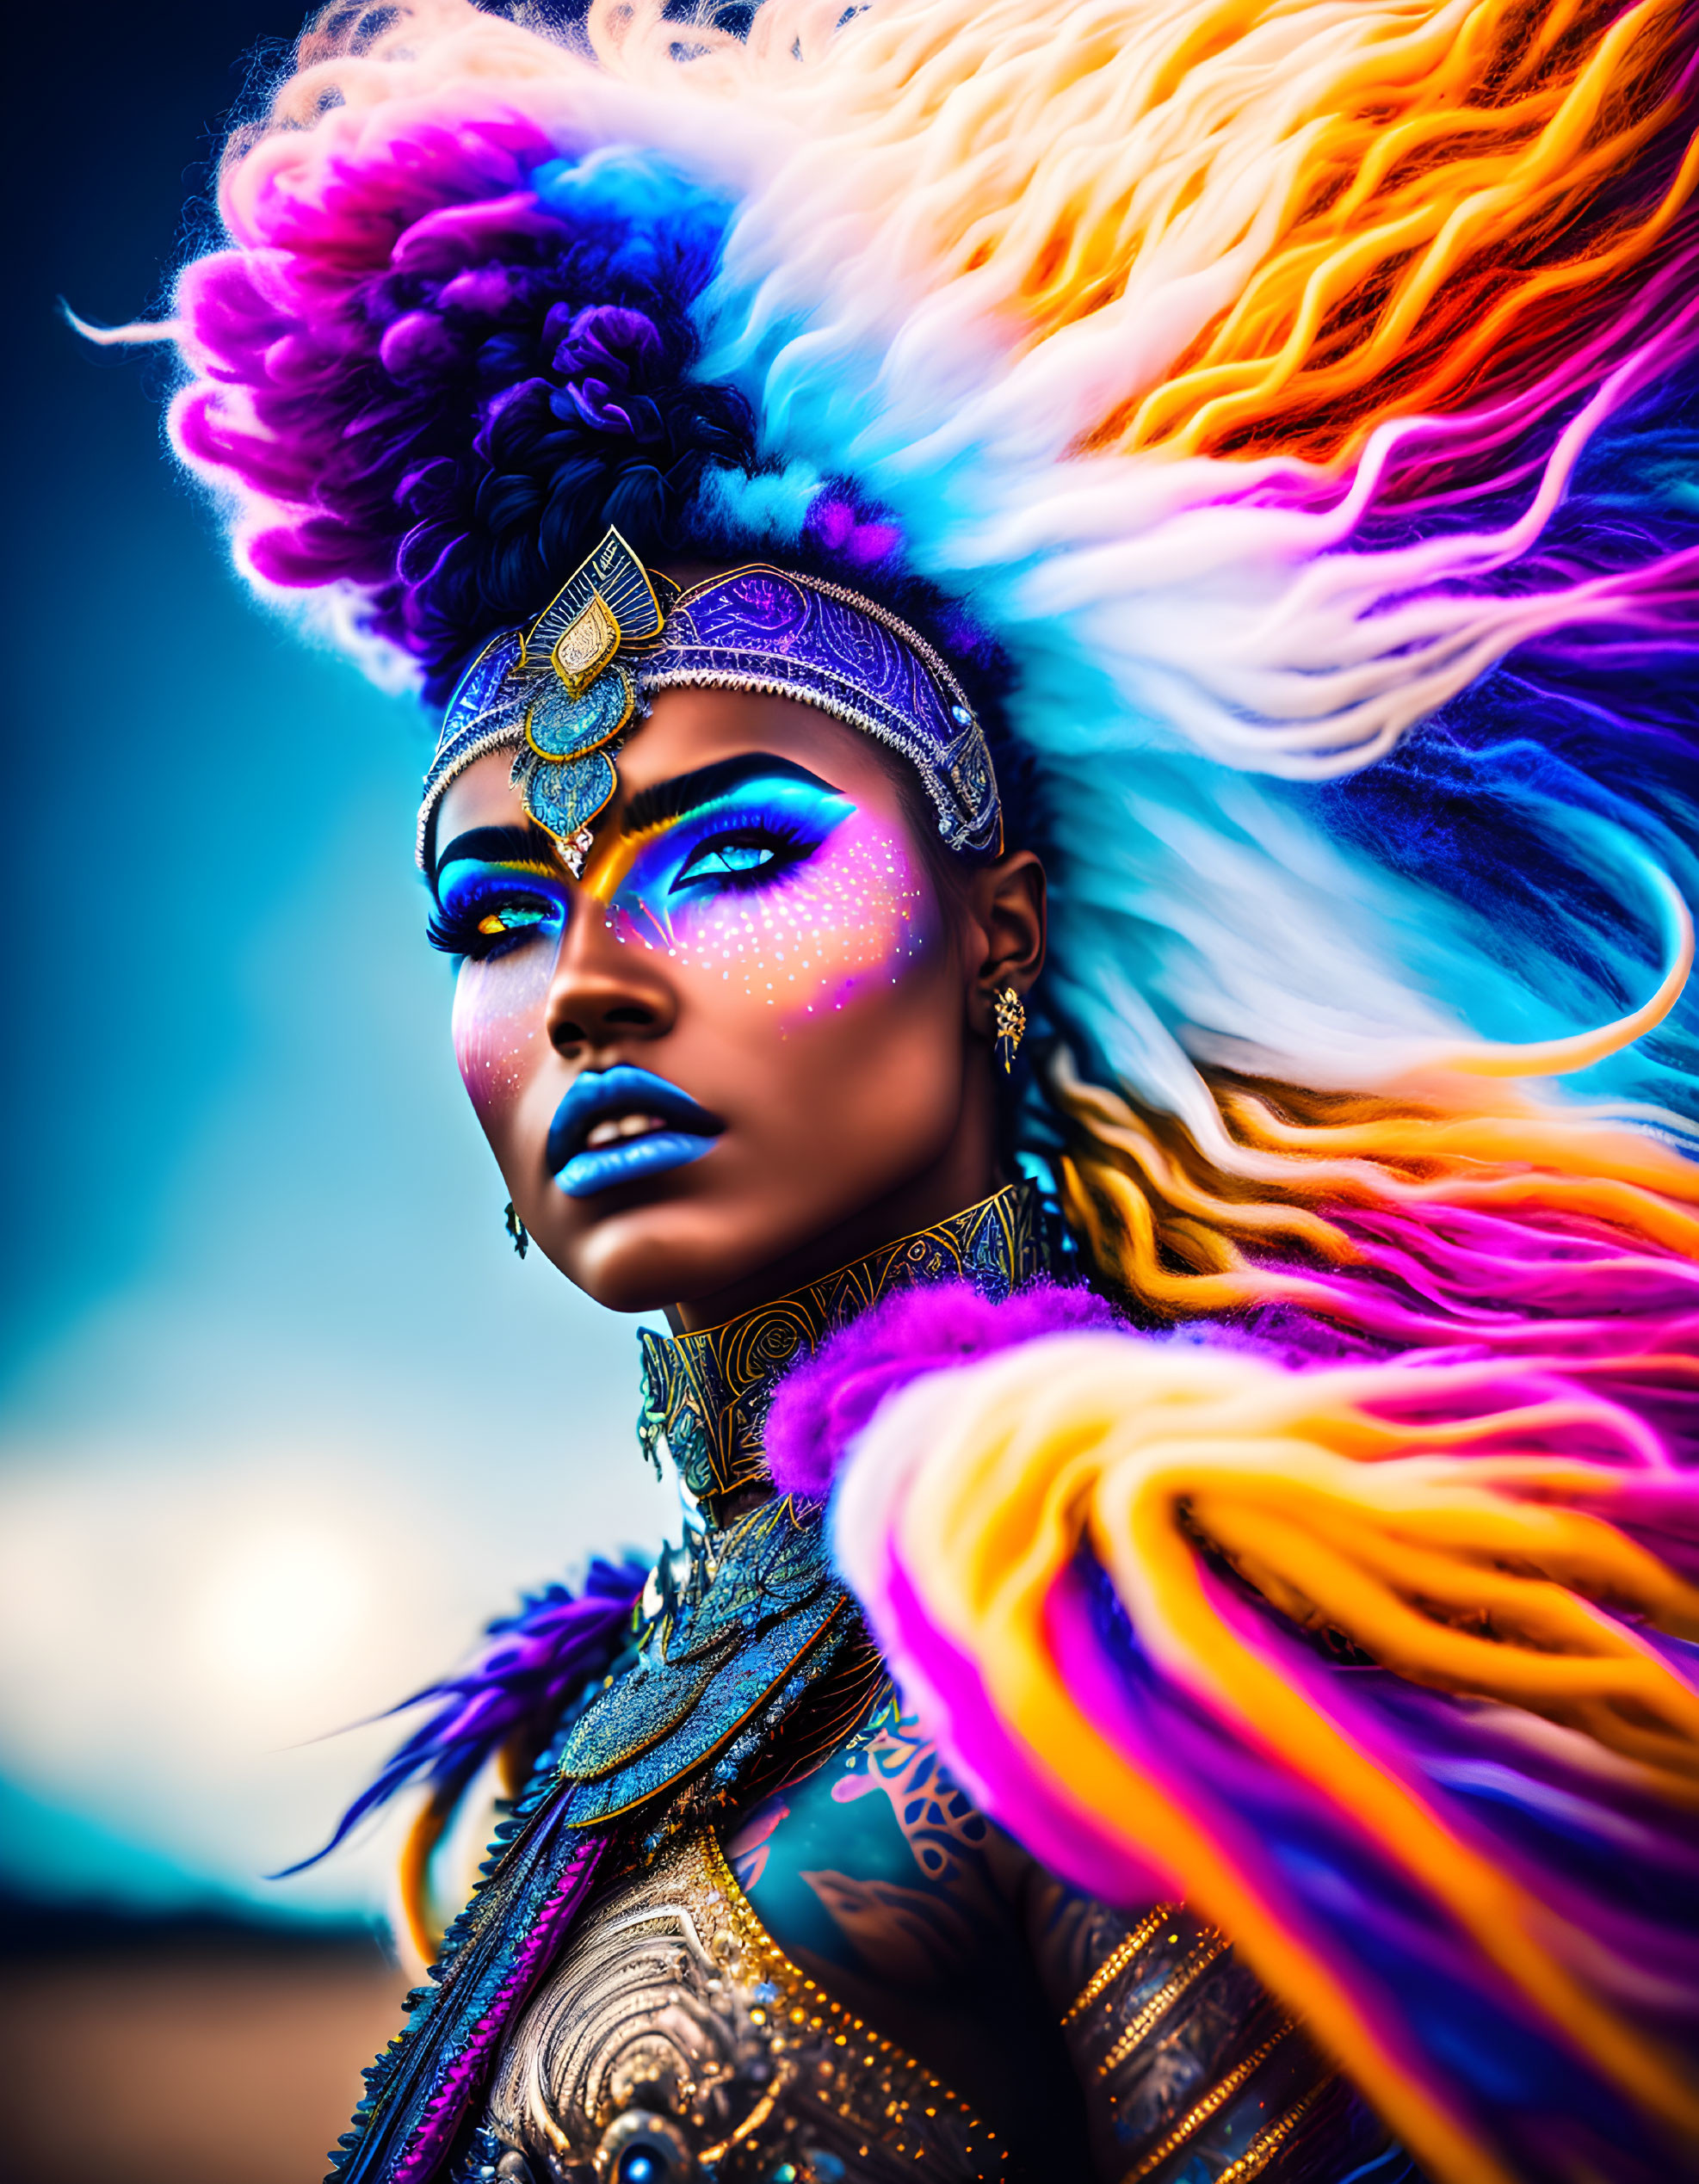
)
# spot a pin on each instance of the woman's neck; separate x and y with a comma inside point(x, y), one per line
point(706, 1390)
point(967, 1173)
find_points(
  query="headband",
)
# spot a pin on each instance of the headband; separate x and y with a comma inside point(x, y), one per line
point(563, 692)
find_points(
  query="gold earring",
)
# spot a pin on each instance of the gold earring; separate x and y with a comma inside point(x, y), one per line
point(1012, 1025)
point(517, 1230)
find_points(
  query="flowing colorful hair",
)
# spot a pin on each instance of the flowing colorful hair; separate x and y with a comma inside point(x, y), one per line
point(1262, 377)
point(1286, 407)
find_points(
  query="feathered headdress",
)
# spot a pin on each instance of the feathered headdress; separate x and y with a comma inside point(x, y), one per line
point(1281, 416)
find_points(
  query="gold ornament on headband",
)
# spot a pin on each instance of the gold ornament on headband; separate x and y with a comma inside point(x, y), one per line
point(585, 646)
point(563, 692)
point(585, 695)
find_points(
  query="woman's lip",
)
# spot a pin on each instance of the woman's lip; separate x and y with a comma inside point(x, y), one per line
point(601, 1095)
point(587, 1173)
point(614, 1129)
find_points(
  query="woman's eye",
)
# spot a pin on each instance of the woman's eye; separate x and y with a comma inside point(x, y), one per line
point(512, 917)
point(735, 856)
point(486, 924)
point(732, 861)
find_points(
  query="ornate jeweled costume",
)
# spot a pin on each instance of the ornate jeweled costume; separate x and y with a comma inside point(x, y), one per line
point(674, 2023)
point(759, 1620)
point(744, 1730)
point(749, 1661)
point(756, 1618)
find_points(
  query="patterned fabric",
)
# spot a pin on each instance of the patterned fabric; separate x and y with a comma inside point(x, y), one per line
point(1187, 2066)
point(770, 1618)
point(562, 695)
point(726, 1664)
point(755, 1636)
point(761, 629)
point(705, 1394)
point(419, 2090)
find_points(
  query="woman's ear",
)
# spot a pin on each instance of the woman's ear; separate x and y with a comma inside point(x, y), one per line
point(1005, 937)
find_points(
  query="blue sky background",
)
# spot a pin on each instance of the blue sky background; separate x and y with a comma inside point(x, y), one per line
point(281, 1418)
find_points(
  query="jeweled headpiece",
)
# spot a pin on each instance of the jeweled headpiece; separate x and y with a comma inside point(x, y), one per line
point(565, 691)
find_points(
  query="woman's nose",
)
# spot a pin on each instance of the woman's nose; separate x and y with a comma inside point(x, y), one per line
point(604, 993)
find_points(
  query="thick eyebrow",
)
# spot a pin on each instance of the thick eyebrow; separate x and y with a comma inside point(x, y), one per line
point(654, 807)
point(497, 846)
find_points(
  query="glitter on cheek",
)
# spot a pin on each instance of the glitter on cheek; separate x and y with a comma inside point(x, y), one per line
point(498, 1022)
point(852, 918)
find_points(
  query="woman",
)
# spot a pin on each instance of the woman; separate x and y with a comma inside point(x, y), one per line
point(1182, 1663)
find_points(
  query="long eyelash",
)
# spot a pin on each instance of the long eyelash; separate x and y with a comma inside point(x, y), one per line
point(455, 932)
point(455, 935)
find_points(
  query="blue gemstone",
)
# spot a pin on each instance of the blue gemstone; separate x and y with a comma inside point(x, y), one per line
point(640, 2165)
point(565, 798)
point(559, 726)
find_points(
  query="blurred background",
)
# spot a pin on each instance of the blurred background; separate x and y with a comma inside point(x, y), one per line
point(282, 1420)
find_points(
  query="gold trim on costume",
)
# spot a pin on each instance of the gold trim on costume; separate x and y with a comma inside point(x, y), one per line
point(673, 2010)
point(1213, 2101)
point(1117, 1960)
point(1264, 2146)
point(1215, 1946)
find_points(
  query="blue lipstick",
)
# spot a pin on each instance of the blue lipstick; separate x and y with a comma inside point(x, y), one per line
point(611, 1096)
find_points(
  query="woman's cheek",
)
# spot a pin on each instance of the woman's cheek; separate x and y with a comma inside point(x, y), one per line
point(851, 920)
point(498, 1024)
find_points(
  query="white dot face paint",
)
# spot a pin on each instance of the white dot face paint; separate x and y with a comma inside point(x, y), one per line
point(506, 919)
point(782, 891)
point(498, 1024)
point(777, 897)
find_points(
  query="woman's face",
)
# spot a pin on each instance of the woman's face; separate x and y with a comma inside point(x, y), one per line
point(752, 1042)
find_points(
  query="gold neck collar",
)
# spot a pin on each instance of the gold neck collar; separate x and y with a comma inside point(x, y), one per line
point(706, 1394)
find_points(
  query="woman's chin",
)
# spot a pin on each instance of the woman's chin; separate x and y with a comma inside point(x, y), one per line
point(644, 1257)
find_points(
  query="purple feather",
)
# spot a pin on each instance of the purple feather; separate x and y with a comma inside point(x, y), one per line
point(539, 1659)
point(822, 1404)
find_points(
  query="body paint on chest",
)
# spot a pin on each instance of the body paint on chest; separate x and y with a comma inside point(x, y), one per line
point(876, 1862)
